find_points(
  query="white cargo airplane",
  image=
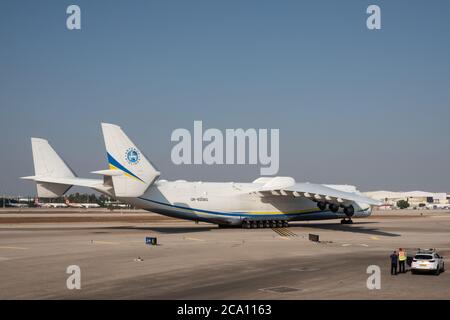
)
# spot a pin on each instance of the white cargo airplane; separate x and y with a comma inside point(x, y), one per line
point(81, 205)
point(49, 204)
point(131, 178)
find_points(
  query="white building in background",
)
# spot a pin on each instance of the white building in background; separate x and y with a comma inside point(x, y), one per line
point(415, 199)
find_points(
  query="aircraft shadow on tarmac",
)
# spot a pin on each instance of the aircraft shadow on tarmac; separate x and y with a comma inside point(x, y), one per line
point(356, 228)
point(171, 229)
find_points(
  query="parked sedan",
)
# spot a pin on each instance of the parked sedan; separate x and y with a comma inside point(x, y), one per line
point(427, 261)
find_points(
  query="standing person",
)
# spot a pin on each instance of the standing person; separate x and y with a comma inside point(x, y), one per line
point(401, 260)
point(394, 262)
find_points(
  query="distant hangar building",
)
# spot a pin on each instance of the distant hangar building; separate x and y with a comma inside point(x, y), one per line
point(414, 198)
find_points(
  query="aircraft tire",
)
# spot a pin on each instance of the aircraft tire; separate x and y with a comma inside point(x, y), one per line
point(246, 224)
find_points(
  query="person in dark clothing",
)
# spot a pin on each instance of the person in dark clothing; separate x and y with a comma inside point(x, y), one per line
point(394, 263)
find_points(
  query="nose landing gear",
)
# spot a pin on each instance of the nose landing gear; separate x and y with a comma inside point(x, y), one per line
point(349, 212)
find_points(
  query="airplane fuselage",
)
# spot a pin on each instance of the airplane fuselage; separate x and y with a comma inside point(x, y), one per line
point(133, 179)
point(230, 203)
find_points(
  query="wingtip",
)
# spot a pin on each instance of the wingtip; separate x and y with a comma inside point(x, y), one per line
point(111, 125)
point(35, 139)
point(28, 178)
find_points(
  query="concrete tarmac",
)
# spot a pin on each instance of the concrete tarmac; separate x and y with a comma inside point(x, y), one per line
point(202, 261)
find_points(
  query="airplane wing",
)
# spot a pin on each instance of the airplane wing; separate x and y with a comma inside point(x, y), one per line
point(325, 193)
point(283, 186)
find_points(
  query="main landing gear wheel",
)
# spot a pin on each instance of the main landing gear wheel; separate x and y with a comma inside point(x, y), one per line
point(253, 224)
point(246, 224)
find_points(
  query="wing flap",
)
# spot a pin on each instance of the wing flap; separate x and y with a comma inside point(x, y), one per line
point(325, 193)
point(286, 186)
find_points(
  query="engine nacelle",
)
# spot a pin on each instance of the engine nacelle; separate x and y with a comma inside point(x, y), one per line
point(333, 207)
point(321, 205)
point(349, 211)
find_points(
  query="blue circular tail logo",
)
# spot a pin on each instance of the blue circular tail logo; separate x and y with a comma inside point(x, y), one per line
point(132, 156)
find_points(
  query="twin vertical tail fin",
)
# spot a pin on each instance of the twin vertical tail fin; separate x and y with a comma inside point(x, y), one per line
point(48, 165)
point(135, 172)
point(129, 175)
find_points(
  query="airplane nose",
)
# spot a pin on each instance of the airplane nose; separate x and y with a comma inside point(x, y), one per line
point(363, 209)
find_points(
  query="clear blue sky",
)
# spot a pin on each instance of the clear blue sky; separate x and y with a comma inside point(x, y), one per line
point(369, 108)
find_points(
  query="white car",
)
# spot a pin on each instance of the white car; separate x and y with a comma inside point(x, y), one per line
point(427, 261)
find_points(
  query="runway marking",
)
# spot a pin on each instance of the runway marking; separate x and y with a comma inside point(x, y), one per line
point(281, 289)
point(374, 238)
point(193, 239)
point(346, 244)
point(104, 242)
point(363, 244)
point(306, 269)
point(14, 248)
point(4, 259)
point(284, 232)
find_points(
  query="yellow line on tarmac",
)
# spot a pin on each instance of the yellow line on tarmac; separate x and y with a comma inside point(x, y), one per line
point(284, 232)
point(14, 248)
point(194, 239)
point(278, 231)
point(293, 234)
point(105, 242)
point(374, 238)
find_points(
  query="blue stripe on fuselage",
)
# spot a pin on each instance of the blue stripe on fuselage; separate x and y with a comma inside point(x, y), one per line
point(232, 214)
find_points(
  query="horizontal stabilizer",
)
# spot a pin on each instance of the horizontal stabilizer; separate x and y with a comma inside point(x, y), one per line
point(109, 172)
point(51, 190)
